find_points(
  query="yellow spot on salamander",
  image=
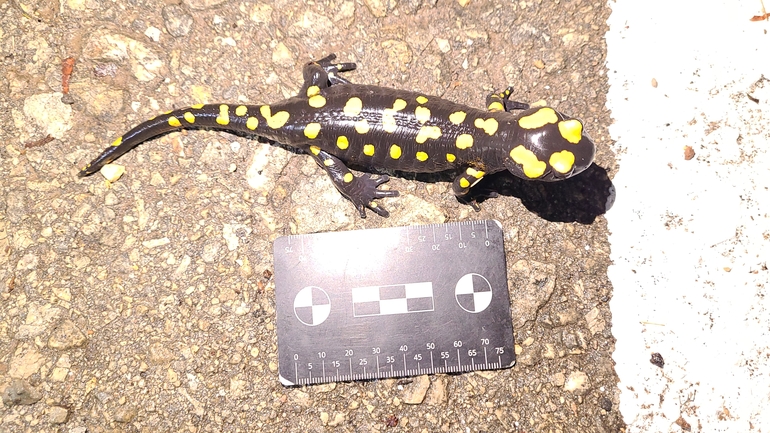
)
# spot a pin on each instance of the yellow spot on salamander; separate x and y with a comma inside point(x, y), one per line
point(328, 162)
point(313, 90)
point(562, 161)
point(315, 150)
point(395, 151)
point(252, 123)
point(348, 177)
point(489, 125)
point(173, 121)
point(571, 130)
point(464, 183)
point(224, 115)
point(117, 142)
point(276, 120)
point(189, 117)
point(317, 101)
point(362, 126)
point(241, 110)
point(427, 132)
point(496, 106)
point(312, 130)
point(539, 118)
point(369, 149)
point(450, 157)
point(353, 106)
point(532, 167)
point(464, 141)
point(388, 116)
point(422, 99)
point(399, 104)
point(342, 142)
point(457, 117)
point(422, 114)
point(196, 106)
point(421, 156)
point(478, 174)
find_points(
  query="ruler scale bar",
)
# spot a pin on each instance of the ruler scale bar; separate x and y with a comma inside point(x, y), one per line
point(374, 299)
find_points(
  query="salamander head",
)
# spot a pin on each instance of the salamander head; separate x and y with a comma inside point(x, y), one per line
point(548, 146)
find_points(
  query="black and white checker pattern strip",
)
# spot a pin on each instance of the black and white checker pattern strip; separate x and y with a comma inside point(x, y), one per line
point(392, 299)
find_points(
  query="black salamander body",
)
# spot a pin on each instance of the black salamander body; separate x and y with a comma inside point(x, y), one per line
point(337, 122)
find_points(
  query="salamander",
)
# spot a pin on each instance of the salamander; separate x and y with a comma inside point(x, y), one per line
point(339, 123)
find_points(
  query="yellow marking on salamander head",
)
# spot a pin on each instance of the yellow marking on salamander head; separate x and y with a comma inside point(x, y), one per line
point(353, 106)
point(173, 121)
point(342, 142)
point(421, 99)
point(496, 106)
point(317, 101)
point(395, 151)
point(276, 120)
point(315, 150)
point(464, 141)
point(196, 106)
point(399, 104)
point(348, 177)
point(457, 117)
point(312, 130)
point(241, 110)
point(489, 125)
point(421, 156)
point(117, 142)
point(450, 157)
point(427, 132)
point(362, 126)
point(464, 183)
point(571, 130)
point(562, 161)
point(224, 115)
point(313, 90)
point(369, 149)
point(532, 167)
point(539, 118)
point(189, 117)
point(252, 123)
point(422, 114)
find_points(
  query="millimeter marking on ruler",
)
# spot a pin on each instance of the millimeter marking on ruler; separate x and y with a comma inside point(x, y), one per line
point(371, 304)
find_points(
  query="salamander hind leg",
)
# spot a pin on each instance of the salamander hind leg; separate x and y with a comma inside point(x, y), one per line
point(500, 102)
point(320, 74)
point(462, 186)
point(362, 190)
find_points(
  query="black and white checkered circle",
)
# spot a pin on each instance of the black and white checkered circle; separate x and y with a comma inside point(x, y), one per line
point(312, 305)
point(473, 293)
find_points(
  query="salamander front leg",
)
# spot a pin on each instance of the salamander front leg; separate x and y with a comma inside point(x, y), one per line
point(463, 183)
point(362, 190)
point(500, 102)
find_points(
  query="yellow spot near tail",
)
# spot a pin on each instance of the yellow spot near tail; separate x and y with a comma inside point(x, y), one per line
point(369, 149)
point(421, 156)
point(450, 157)
point(464, 183)
point(353, 106)
point(241, 110)
point(313, 90)
point(464, 141)
point(276, 120)
point(427, 132)
point(539, 118)
point(196, 106)
point(342, 142)
point(562, 161)
point(173, 121)
point(252, 123)
point(315, 150)
point(496, 106)
point(478, 174)
point(189, 117)
point(395, 151)
point(328, 162)
point(312, 130)
point(489, 125)
point(348, 177)
point(457, 117)
point(422, 114)
point(571, 130)
point(317, 101)
point(117, 142)
point(362, 126)
point(224, 115)
point(422, 99)
point(532, 167)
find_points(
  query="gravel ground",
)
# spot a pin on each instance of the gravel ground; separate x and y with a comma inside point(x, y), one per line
point(147, 304)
